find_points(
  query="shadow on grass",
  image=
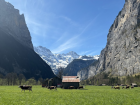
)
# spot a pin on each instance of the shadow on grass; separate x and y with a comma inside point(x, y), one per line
point(75, 89)
point(82, 89)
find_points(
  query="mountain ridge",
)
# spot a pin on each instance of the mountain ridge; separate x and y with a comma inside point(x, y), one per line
point(16, 49)
point(14, 23)
point(59, 60)
point(20, 59)
point(121, 55)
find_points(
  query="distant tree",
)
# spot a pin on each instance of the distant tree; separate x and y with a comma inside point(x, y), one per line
point(14, 78)
point(23, 82)
point(1, 76)
point(60, 72)
point(41, 80)
point(9, 78)
point(31, 81)
point(21, 78)
point(38, 82)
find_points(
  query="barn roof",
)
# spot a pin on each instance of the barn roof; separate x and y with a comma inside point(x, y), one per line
point(70, 79)
point(134, 84)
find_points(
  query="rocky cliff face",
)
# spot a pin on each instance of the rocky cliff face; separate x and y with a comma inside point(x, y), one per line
point(17, 58)
point(88, 72)
point(16, 49)
point(76, 65)
point(121, 56)
point(14, 23)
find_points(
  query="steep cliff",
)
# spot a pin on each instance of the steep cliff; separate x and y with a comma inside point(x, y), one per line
point(88, 72)
point(76, 65)
point(121, 56)
point(17, 58)
point(14, 23)
point(16, 49)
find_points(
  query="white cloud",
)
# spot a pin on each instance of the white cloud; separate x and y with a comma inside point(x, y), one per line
point(69, 20)
point(71, 43)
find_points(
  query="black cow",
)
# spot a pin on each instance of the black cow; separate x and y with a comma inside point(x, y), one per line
point(44, 86)
point(71, 87)
point(132, 87)
point(52, 87)
point(116, 87)
point(127, 87)
point(80, 87)
point(24, 87)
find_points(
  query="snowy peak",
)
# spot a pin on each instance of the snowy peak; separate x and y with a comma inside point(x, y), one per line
point(85, 57)
point(72, 53)
point(59, 60)
point(42, 51)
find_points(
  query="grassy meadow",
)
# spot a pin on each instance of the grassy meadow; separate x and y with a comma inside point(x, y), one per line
point(91, 95)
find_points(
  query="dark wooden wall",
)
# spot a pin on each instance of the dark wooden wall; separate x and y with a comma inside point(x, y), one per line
point(66, 85)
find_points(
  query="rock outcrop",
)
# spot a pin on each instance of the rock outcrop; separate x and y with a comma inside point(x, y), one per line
point(19, 59)
point(16, 49)
point(88, 72)
point(76, 65)
point(121, 56)
point(14, 23)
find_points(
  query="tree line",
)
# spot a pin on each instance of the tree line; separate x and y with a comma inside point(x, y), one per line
point(104, 78)
point(19, 79)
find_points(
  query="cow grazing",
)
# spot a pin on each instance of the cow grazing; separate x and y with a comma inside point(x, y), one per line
point(80, 87)
point(132, 87)
point(52, 87)
point(127, 87)
point(44, 86)
point(116, 87)
point(24, 87)
point(71, 87)
point(123, 87)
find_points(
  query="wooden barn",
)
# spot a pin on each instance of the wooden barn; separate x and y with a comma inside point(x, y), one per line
point(134, 84)
point(68, 81)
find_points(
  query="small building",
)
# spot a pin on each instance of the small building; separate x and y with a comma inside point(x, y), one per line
point(134, 84)
point(68, 81)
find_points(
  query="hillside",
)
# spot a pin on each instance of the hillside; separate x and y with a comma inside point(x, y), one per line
point(16, 48)
point(76, 65)
point(121, 56)
point(17, 58)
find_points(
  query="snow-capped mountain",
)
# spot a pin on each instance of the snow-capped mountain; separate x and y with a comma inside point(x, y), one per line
point(59, 60)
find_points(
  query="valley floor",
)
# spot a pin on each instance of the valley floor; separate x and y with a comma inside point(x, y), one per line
point(91, 95)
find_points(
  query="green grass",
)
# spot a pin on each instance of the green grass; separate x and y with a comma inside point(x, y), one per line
point(91, 95)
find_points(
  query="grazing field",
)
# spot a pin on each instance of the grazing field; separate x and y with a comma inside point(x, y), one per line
point(91, 95)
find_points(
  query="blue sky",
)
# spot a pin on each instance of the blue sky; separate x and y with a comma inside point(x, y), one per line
point(69, 25)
